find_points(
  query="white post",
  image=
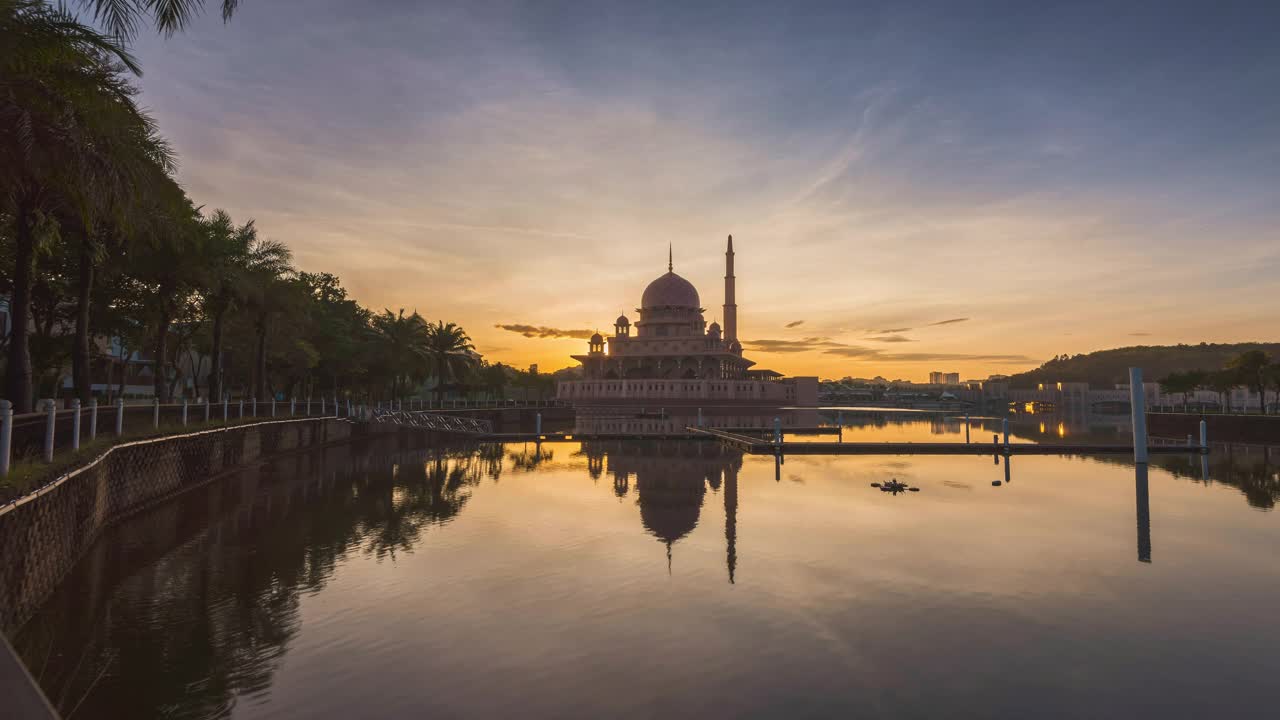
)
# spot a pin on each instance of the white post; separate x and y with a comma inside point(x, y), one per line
point(293, 406)
point(322, 405)
point(240, 406)
point(273, 406)
point(308, 410)
point(226, 402)
point(75, 424)
point(51, 410)
point(184, 412)
point(348, 407)
point(6, 435)
point(93, 418)
point(777, 431)
point(537, 425)
point(1138, 415)
point(119, 417)
point(155, 412)
point(206, 409)
point(1204, 435)
point(253, 406)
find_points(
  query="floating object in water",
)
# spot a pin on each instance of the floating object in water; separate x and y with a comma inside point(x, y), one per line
point(996, 483)
point(895, 487)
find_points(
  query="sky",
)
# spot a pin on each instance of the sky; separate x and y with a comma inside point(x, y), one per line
point(911, 186)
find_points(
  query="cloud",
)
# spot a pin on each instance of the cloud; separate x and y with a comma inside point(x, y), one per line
point(891, 331)
point(890, 338)
point(795, 323)
point(827, 346)
point(952, 321)
point(539, 331)
point(1139, 334)
point(809, 344)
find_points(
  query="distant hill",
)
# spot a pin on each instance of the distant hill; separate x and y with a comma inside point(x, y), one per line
point(1106, 368)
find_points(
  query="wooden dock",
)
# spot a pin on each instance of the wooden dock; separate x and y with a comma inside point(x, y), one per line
point(757, 446)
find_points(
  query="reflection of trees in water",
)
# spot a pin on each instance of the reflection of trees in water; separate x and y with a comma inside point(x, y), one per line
point(1252, 469)
point(531, 458)
point(185, 610)
point(180, 611)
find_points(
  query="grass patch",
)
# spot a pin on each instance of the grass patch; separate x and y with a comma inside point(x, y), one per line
point(30, 473)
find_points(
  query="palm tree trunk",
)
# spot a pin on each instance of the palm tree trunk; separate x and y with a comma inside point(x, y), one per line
point(158, 361)
point(17, 374)
point(80, 345)
point(215, 369)
point(260, 361)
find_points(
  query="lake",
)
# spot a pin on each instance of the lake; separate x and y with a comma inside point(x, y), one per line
point(679, 578)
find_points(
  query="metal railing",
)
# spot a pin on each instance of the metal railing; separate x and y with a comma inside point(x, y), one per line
point(432, 421)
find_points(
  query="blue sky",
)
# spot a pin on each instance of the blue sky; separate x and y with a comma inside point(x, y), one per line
point(1067, 177)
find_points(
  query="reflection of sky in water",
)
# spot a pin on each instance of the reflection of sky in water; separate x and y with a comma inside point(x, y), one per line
point(538, 582)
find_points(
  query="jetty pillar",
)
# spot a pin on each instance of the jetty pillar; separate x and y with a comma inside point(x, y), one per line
point(1138, 408)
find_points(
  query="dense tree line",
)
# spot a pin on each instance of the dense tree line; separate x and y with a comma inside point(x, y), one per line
point(98, 240)
point(1107, 368)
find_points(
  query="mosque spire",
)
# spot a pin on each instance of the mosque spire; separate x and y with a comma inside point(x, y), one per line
point(670, 265)
point(730, 302)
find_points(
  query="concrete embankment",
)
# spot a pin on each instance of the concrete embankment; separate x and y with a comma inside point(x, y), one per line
point(43, 534)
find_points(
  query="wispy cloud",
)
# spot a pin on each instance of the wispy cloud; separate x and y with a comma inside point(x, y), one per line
point(795, 323)
point(890, 338)
point(540, 331)
point(827, 346)
point(1139, 334)
point(952, 321)
point(891, 331)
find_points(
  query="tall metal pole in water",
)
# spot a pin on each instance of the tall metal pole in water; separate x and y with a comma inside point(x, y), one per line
point(966, 428)
point(1143, 504)
point(1138, 408)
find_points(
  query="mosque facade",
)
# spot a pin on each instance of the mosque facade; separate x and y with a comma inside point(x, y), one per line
point(671, 354)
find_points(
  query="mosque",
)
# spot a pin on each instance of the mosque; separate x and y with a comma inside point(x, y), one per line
point(675, 357)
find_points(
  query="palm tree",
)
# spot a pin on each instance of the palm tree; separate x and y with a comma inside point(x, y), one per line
point(233, 257)
point(62, 91)
point(450, 351)
point(404, 342)
point(121, 17)
point(272, 294)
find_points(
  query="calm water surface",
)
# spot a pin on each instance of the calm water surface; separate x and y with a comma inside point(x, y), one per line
point(670, 578)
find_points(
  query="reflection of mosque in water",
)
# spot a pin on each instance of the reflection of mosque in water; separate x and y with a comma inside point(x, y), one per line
point(670, 479)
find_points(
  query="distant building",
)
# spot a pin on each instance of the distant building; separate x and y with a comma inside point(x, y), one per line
point(935, 378)
point(951, 379)
point(674, 356)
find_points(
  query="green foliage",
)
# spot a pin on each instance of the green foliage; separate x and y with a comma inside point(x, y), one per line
point(1108, 368)
point(98, 241)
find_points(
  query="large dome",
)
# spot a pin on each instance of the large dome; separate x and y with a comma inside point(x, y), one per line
point(670, 290)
